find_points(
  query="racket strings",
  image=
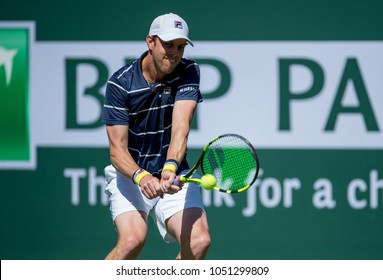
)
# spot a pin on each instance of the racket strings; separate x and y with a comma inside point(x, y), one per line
point(232, 161)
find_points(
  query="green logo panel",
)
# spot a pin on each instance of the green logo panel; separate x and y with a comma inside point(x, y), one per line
point(14, 117)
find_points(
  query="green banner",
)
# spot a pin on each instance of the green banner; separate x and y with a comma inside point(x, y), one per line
point(306, 204)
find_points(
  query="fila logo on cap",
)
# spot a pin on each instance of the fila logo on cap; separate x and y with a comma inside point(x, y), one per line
point(178, 24)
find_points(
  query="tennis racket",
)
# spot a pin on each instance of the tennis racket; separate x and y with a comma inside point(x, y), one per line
point(231, 159)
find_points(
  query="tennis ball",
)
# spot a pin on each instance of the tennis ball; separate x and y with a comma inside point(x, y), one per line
point(208, 182)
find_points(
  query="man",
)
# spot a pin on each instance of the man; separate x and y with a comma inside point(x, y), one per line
point(149, 106)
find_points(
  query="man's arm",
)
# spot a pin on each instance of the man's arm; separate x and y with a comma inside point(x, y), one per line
point(123, 161)
point(183, 112)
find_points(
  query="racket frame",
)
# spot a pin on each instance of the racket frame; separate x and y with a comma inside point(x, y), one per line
point(187, 177)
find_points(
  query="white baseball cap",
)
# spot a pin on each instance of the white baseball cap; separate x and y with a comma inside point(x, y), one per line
point(170, 27)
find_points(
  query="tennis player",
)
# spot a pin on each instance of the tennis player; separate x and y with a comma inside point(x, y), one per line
point(149, 106)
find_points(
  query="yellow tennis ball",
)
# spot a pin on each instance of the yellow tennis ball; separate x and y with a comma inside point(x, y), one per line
point(208, 182)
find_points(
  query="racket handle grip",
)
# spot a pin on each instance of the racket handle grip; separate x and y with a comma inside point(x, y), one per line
point(177, 181)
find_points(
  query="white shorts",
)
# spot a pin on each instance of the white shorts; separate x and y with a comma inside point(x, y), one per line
point(126, 196)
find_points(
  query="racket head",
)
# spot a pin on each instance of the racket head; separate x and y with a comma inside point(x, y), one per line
point(233, 161)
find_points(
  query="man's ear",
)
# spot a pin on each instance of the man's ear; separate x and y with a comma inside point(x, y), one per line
point(150, 41)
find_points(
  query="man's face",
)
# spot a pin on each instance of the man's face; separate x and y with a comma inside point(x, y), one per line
point(167, 55)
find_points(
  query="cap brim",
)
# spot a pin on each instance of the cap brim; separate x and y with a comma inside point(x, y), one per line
point(170, 37)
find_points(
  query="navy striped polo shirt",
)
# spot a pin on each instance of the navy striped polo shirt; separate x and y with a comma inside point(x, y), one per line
point(147, 109)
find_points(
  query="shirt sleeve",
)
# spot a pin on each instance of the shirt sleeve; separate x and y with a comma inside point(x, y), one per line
point(115, 110)
point(189, 84)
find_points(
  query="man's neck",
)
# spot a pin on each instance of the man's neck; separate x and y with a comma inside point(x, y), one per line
point(149, 70)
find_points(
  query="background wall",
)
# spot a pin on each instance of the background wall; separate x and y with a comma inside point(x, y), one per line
point(320, 192)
